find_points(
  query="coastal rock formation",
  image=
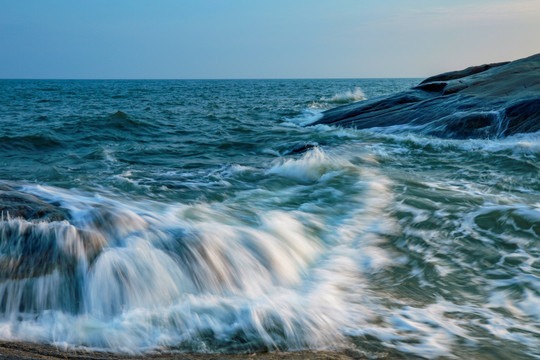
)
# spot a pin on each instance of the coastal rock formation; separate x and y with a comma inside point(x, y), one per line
point(485, 101)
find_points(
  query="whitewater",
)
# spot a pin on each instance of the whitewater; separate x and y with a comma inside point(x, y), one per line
point(209, 216)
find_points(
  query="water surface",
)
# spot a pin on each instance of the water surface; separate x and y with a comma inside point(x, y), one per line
point(197, 223)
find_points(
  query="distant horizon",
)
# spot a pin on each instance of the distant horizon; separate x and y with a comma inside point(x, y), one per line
point(219, 40)
point(212, 79)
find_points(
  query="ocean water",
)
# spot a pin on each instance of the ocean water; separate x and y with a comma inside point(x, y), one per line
point(208, 216)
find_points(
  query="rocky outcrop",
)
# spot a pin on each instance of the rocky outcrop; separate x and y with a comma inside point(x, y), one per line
point(484, 101)
point(453, 75)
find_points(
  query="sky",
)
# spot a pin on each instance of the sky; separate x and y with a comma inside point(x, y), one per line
point(217, 39)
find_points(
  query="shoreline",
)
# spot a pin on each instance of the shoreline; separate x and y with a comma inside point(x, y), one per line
point(26, 350)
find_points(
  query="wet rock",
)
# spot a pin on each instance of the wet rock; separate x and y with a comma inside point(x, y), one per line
point(468, 125)
point(32, 249)
point(523, 116)
point(17, 204)
point(492, 100)
point(432, 87)
point(300, 148)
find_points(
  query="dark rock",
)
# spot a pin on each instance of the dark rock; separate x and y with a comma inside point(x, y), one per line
point(433, 87)
point(33, 249)
point(36, 241)
point(468, 125)
point(299, 148)
point(29, 207)
point(28, 242)
point(523, 116)
point(482, 101)
point(453, 75)
point(454, 88)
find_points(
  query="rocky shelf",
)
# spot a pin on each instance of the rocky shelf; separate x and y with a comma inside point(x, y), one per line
point(485, 101)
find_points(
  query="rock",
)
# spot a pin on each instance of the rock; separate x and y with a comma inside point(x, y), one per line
point(34, 249)
point(452, 75)
point(492, 100)
point(36, 241)
point(300, 148)
point(523, 116)
point(29, 207)
point(432, 87)
point(27, 238)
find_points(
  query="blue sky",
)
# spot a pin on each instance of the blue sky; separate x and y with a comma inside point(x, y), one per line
point(177, 39)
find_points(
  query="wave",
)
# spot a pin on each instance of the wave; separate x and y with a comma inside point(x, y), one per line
point(117, 122)
point(520, 144)
point(307, 117)
point(313, 166)
point(245, 274)
point(296, 263)
point(132, 277)
point(30, 142)
point(121, 120)
point(346, 97)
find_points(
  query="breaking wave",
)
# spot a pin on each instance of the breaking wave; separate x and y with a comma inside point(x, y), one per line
point(141, 276)
point(346, 97)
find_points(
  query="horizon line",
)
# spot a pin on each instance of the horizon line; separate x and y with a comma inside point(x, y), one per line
point(212, 79)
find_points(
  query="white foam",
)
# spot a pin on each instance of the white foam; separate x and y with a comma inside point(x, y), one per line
point(346, 97)
point(199, 276)
point(308, 116)
point(518, 144)
point(336, 131)
point(314, 165)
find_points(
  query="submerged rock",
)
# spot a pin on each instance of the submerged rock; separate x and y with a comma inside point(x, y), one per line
point(119, 115)
point(483, 101)
point(300, 148)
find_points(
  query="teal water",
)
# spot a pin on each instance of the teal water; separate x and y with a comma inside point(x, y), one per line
point(197, 223)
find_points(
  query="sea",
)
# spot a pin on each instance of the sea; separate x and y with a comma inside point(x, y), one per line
point(208, 216)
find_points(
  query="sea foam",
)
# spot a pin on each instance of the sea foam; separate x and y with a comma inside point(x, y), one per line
point(346, 97)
